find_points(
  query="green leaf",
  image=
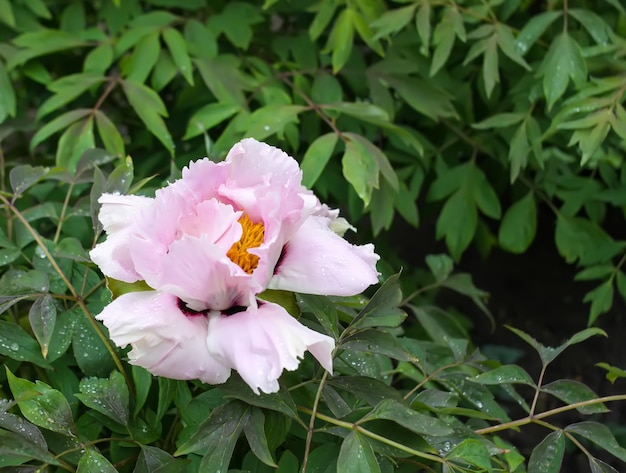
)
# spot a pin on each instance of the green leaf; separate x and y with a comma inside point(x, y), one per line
point(94, 462)
point(383, 306)
point(548, 354)
point(366, 112)
point(6, 14)
point(73, 142)
point(381, 160)
point(89, 350)
point(176, 44)
point(440, 266)
point(107, 396)
point(324, 15)
point(164, 71)
point(457, 222)
point(142, 380)
point(613, 372)
point(218, 435)
point(272, 119)
point(24, 176)
point(505, 374)
point(393, 21)
point(471, 451)
point(143, 59)
point(40, 43)
point(451, 26)
point(153, 459)
point(601, 299)
point(491, 75)
point(570, 392)
point(500, 120)
point(236, 21)
point(519, 225)
point(167, 388)
point(597, 28)
point(357, 455)
point(119, 288)
point(323, 459)
point(16, 449)
point(289, 463)
point(209, 116)
point(580, 239)
point(324, 311)
point(42, 316)
point(506, 43)
point(67, 89)
point(109, 134)
point(601, 271)
point(341, 39)
point(360, 168)
point(285, 299)
point(534, 29)
point(316, 157)
point(99, 59)
point(598, 466)
point(42, 405)
point(377, 341)
point(254, 430)
point(518, 151)
point(150, 108)
point(7, 94)
point(599, 434)
point(424, 96)
point(362, 26)
point(39, 8)
point(326, 89)
point(18, 345)
point(563, 61)
point(58, 124)
point(403, 415)
point(201, 41)
point(281, 401)
point(370, 390)
point(548, 455)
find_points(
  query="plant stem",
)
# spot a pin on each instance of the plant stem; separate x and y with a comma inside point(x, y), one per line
point(309, 434)
point(534, 418)
point(372, 435)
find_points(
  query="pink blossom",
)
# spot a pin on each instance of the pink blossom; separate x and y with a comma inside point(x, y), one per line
point(207, 245)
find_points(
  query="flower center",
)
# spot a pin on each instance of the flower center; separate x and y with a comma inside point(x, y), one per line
point(252, 237)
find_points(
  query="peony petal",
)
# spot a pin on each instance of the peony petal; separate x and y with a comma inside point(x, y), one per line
point(318, 261)
point(118, 215)
point(200, 180)
point(165, 341)
point(252, 163)
point(114, 259)
point(200, 273)
point(118, 212)
point(263, 341)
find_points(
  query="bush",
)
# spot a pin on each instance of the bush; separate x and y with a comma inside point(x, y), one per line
point(485, 114)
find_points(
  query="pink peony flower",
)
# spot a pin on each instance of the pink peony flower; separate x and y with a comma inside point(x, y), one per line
point(207, 245)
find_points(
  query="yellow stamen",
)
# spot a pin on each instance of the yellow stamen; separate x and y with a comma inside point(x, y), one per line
point(252, 237)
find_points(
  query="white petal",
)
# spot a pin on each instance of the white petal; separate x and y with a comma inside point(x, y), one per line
point(165, 341)
point(118, 212)
point(114, 259)
point(318, 261)
point(261, 342)
point(118, 215)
